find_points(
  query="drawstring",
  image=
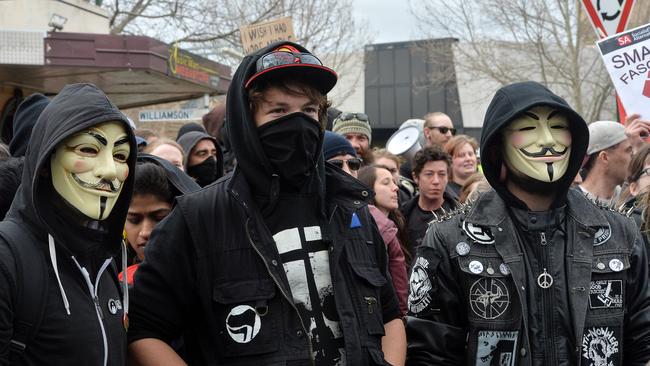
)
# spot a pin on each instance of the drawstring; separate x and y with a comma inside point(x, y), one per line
point(66, 304)
point(125, 284)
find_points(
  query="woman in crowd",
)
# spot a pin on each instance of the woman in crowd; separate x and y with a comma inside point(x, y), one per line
point(167, 149)
point(462, 150)
point(157, 183)
point(393, 163)
point(391, 224)
point(638, 180)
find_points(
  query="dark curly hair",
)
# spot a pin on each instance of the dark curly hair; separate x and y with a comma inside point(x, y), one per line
point(427, 154)
point(151, 179)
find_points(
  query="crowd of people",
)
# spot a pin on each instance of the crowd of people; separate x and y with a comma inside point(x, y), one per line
point(271, 240)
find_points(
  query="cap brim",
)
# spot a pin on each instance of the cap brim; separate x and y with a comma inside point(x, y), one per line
point(321, 77)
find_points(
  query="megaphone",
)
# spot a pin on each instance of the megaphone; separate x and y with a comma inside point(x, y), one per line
point(419, 123)
point(405, 143)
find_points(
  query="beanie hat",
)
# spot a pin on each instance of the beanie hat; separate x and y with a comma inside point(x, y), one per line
point(352, 125)
point(604, 134)
point(335, 144)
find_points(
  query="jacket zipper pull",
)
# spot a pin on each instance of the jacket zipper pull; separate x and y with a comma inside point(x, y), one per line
point(99, 308)
point(542, 238)
point(371, 301)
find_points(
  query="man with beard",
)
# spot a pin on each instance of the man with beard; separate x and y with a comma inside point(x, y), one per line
point(279, 263)
point(60, 302)
point(533, 273)
point(438, 129)
point(203, 157)
point(355, 127)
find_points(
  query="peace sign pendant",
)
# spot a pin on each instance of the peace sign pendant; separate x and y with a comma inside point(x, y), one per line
point(544, 280)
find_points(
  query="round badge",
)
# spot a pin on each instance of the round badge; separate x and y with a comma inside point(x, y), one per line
point(616, 265)
point(504, 269)
point(490, 270)
point(462, 249)
point(600, 266)
point(475, 267)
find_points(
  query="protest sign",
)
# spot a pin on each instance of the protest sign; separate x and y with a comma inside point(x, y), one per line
point(627, 58)
point(259, 35)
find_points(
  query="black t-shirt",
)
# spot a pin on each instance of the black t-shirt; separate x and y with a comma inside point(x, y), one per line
point(418, 222)
point(297, 233)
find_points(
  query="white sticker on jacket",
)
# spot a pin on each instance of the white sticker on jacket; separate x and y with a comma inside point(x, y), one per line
point(600, 347)
point(606, 294)
point(419, 286)
point(479, 234)
point(489, 298)
point(496, 347)
point(243, 323)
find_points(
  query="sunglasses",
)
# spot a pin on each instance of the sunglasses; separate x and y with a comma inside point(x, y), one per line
point(354, 163)
point(279, 58)
point(345, 116)
point(443, 130)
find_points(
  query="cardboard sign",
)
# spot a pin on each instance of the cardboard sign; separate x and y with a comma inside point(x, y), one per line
point(259, 35)
point(608, 16)
point(627, 58)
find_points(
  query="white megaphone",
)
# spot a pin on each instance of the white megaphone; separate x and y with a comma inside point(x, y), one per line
point(419, 123)
point(405, 143)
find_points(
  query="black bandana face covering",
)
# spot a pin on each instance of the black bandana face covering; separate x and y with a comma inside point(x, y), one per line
point(291, 144)
point(204, 172)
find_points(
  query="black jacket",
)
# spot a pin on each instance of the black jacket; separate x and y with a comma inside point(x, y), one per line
point(471, 293)
point(93, 332)
point(214, 257)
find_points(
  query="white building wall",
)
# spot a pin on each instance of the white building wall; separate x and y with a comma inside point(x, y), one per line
point(83, 16)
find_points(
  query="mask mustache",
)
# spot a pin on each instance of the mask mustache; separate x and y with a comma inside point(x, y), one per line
point(542, 153)
point(104, 184)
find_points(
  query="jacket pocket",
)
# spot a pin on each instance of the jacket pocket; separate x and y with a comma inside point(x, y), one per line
point(607, 285)
point(247, 317)
point(368, 295)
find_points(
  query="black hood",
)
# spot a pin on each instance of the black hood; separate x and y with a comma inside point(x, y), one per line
point(244, 140)
point(76, 108)
point(180, 182)
point(189, 139)
point(510, 102)
point(24, 120)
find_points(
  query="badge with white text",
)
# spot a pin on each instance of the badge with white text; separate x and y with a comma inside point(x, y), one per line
point(420, 286)
point(481, 235)
point(243, 323)
point(606, 294)
point(600, 347)
point(489, 298)
point(602, 235)
point(496, 347)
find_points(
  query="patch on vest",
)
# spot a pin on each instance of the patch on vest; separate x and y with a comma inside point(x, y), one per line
point(420, 286)
point(481, 235)
point(600, 347)
point(496, 348)
point(489, 298)
point(602, 235)
point(243, 323)
point(114, 306)
point(606, 294)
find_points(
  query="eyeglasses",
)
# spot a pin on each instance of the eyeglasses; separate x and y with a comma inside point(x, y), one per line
point(278, 58)
point(443, 130)
point(644, 171)
point(345, 116)
point(354, 163)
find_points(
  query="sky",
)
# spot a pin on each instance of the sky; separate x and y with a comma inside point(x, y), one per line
point(388, 20)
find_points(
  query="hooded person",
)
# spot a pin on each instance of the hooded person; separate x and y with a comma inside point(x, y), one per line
point(203, 157)
point(157, 183)
point(280, 262)
point(537, 273)
point(67, 217)
point(26, 116)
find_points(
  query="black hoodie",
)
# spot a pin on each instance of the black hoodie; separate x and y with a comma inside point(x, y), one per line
point(509, 103)
point(180, 182)
point(77, 328)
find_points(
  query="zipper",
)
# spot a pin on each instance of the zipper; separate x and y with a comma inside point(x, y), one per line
point(542, 238)
point(93, 294)
point(277, 283)
point(546, 303)
point(370, 301)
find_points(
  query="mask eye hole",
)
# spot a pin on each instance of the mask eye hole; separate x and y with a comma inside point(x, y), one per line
point(86, 150)
point(529, 128)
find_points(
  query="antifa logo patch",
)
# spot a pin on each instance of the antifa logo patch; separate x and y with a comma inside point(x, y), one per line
point(602, 235)
point(420, 286)
point(496, 348)
point(600, 347)
point(606, 294)
point(243, 323)
point(481, 235)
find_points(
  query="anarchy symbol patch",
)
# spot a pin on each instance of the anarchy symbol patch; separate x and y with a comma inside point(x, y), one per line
point(481, 235)
point(489, 298)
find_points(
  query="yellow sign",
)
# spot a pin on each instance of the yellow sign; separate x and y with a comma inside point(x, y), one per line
point(259, 35)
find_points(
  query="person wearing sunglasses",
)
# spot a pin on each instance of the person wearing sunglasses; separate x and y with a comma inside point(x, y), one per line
point(280, 261)
point(355, 127)
point(338, 151)
point(438, 128)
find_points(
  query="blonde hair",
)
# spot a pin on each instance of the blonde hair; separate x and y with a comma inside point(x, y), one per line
point(164, 141)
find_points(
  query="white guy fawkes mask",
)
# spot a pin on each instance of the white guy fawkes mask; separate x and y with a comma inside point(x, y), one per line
point(538, 144)
point(90, 167)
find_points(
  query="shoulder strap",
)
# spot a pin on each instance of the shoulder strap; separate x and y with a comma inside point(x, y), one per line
point(31, 286)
